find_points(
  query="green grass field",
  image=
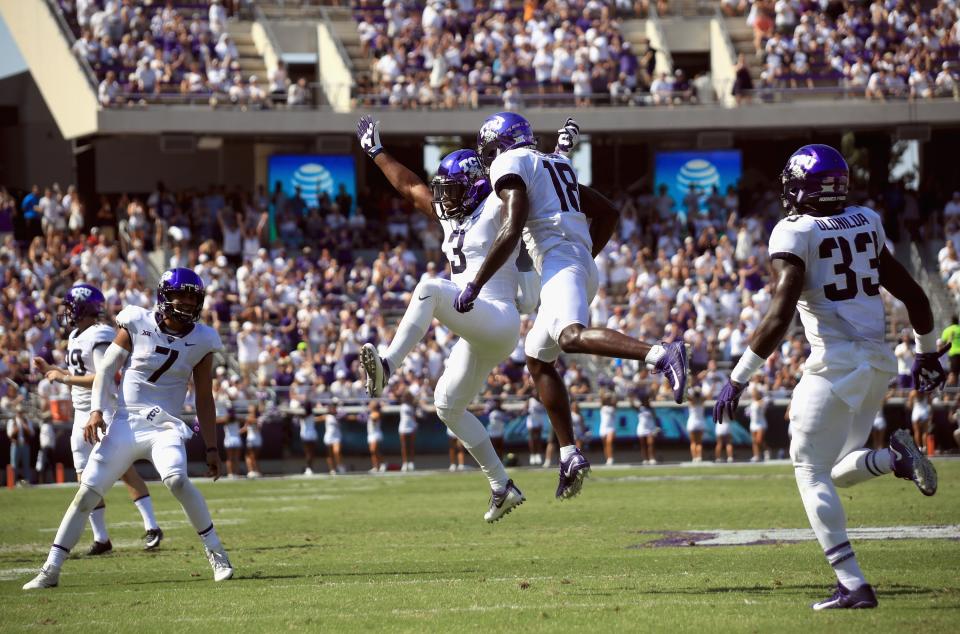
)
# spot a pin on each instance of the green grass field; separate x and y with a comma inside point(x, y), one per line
point(411, 553)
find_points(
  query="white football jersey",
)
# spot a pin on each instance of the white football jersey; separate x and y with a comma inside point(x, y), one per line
point(840, 306)
point(160, 366)
point(80, 361)
point(555, 217)
point(467, 243)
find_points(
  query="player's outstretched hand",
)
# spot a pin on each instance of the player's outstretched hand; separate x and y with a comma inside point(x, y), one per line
point(94, 425)
point(727, 401)
point(464, 301)
point(213, 464)
point(368, 131)
point(928, 373)
point(567, 136)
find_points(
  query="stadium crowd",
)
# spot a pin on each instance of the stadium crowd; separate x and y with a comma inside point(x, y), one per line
point(143, 51)
point(881, 49)
point(294, 299)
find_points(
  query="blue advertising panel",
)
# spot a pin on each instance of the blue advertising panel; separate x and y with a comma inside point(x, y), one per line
point(314, 174)
point(679, 170)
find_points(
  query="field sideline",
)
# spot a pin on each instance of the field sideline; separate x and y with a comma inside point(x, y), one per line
point(411, 553)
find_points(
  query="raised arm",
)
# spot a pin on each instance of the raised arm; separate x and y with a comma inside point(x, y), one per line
point(407, 184)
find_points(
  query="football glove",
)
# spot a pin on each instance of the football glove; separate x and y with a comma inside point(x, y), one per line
point(727, 401)
point(368, 131)
point(928, 373)
point(464, 301)
point(567, 137)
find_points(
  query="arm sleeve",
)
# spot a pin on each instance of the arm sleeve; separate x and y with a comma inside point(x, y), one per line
point(789, 242)
point(113, 359)
point(510, 166)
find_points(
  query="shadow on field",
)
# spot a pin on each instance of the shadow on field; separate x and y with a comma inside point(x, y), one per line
point(802, 589)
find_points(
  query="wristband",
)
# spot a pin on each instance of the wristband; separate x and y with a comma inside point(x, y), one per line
point(925, 343)
point(747, 366)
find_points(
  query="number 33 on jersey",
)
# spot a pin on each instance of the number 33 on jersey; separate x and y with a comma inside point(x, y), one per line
point(841, 258)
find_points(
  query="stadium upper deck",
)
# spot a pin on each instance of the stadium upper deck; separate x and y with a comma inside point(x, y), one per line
point(109, 68)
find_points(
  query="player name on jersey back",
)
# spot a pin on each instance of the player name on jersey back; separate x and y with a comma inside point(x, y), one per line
point(840, 307)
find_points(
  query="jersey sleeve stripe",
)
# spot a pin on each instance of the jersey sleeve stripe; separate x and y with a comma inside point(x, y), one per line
point(792, 258)
point(509, 180)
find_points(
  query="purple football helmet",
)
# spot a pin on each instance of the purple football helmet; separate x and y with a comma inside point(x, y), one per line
point(82, 300)
point(815, 180)
point(501, 132)
point(460, 185)
point(177, 281)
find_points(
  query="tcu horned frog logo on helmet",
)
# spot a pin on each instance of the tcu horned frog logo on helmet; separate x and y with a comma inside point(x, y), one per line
point(800, 164)
point(471, 167)
point(491, 128)
point(82, 293)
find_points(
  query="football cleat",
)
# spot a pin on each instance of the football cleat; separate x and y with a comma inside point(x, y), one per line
point(222, 570)
point(48, 578)
point(573, 470)
point(910, 464)
point(152, 538)
point(502, 502)
point(674, 364)
point(374, 368)
point(100, 548)
point(844, 599)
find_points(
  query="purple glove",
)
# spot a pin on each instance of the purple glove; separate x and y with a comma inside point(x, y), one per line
point(727, 401)
point(464, 301)
point(928, 374)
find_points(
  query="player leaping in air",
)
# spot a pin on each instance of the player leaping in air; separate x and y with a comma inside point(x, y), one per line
point(830, 261)
point(81, 311)
point(458, 198)
point(159, 351)
point(564, 226)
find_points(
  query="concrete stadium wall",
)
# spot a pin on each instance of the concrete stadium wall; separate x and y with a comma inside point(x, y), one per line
point(135, 164)
point(335, 74)
point(60, 77)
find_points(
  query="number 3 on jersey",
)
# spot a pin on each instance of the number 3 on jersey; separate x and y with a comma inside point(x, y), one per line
point(565, 184)
point(458, 261)
point(862, 243)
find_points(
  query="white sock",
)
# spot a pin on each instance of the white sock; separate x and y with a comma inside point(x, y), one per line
point(210, 538)
point(56, 557)
point(829, 523)
point(413, 326)
point(145, 506)
point(71, 526)
point(656, 353)
point(486, 457)
point(98, 522)
point(473, 435)
point(191, 500)
point(861, 465)
point(567, 450)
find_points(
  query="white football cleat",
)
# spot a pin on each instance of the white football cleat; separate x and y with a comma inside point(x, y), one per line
point(48, 578)
point(222, 570)
point(502, 502)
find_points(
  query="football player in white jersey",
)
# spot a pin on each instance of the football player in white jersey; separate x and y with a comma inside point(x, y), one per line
point(159, 352)
point(564, 226)
point(82, 310)
point(458, 198)
point(830, 261)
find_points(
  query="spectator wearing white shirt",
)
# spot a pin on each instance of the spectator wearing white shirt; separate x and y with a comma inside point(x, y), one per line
point(109, 90)
point(217, 17)
point(905, 356)
point(249, 344)
point(581, 86)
